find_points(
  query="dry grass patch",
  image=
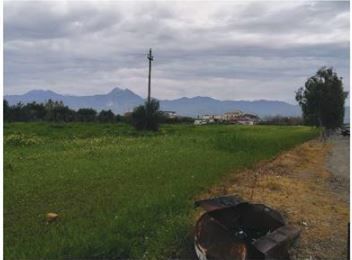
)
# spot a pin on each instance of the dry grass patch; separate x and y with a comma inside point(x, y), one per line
point(297, 184)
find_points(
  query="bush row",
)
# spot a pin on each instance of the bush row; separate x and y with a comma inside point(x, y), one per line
point(55, 111)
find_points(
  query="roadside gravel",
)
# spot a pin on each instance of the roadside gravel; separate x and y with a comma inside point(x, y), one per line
point(338, 164)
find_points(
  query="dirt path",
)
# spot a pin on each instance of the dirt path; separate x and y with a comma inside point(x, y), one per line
point(300, 185)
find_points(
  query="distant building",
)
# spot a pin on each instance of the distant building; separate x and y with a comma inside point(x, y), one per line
point(200, 122)
point(236, 117)
point(206, 117)
point(169, 114)
point(245, 121)
point(231, 116)
point(252, 117)
point(218, 118)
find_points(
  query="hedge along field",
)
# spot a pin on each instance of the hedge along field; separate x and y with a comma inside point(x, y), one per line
point(119, 193)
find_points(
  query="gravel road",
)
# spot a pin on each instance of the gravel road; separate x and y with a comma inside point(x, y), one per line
point(338, 163)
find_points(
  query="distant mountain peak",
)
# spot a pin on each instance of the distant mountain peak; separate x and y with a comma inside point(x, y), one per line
point(122, 93)
point(115, 90)
point(204, 98)
point(129, 91)
point(40, 91)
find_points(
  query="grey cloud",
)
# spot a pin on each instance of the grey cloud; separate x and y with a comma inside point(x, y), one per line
point(229, 50)
point(40, 20)
point(309, 17)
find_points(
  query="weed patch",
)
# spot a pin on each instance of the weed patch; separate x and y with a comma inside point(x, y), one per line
point(21, 140)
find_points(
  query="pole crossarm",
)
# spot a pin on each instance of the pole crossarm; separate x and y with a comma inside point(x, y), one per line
point(150, 56)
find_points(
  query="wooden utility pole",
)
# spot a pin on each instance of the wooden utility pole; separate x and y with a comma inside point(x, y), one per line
point(150, 58)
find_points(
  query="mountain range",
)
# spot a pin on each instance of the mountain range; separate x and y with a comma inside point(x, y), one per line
point(124, 100)
point(121, 101)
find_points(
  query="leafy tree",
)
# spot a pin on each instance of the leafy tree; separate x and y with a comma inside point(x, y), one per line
point(322, 99)
point(106, 116)
point(147, 116)
point(64, 114)
point(138, 117)
point(16, 113)
point(34, 111)
point(86, 114)
point(7, 110)
point(56, 111)
point(119, 118)
point(281, 120)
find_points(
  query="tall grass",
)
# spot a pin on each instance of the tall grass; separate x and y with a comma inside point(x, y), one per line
point(119, 193)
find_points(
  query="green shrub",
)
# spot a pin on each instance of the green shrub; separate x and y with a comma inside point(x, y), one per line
point(106, 116)
point(147, 116)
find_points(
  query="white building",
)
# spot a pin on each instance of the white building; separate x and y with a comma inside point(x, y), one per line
point(229, 116)
point(169, 114)
point(200, 122)
point(236, 117)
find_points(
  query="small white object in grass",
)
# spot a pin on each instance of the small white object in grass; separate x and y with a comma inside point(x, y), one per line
point(50, 217)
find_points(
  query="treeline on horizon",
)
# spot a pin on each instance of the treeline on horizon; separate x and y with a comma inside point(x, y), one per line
point(282, 120)
point(56, 111)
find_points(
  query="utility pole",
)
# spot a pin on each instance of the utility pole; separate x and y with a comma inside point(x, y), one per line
point(150, 58)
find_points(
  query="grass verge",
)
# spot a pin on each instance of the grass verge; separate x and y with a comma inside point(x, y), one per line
point(119, 193)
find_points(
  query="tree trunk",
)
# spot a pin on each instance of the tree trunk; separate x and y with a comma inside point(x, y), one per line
point(322, 132)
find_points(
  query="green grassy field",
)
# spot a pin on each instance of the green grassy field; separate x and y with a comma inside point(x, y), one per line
point(119, 193)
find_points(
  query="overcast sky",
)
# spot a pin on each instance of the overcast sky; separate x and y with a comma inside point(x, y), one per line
point(228, 50)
